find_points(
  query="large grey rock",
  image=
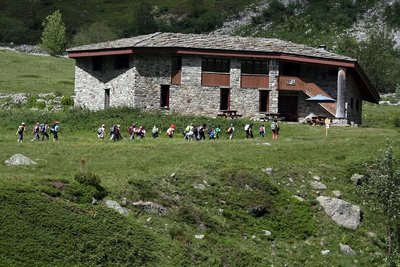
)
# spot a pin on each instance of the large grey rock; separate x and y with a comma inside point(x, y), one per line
point(317, 185)
point(19, 159)
point(342, 212)
point(151, 207)
point(115, 206)
point(346, 249)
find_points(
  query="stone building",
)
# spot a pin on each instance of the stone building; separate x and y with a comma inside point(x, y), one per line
point(204, 75)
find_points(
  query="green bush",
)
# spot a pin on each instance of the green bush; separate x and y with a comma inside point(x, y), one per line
point(67, 101)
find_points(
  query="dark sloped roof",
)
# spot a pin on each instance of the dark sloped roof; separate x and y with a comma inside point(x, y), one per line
point(213, 42)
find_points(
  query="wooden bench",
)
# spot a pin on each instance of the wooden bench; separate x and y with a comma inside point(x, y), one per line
point(267, 116)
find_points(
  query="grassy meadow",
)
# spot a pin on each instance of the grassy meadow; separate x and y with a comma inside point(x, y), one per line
point(45, 225)
point(24, 73)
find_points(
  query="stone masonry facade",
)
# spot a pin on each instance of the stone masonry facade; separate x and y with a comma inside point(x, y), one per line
point(139, 86)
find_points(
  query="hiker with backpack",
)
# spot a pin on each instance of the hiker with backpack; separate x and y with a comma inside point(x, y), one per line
point(100, 132)
point(171, 130)
point(275, 129)
point(248, 128)
point(217, 131)
point(43, 130)
point(155, 132)
point(261, 130)
point(230, 131)
point(188, 134)
point(55, 129)
point(36, 131)
point(20, 132)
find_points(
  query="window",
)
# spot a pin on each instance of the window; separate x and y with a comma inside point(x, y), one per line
point(176, 63)
point(264, 101)
point(290, 69)
point(215, 65)
point(225, 99)
point(164, 98)
point(255, 67)
point(97, 63)
point(351, 102)
point(106, 98)
point(121, 62)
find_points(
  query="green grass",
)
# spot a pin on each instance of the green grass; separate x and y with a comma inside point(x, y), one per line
point(141, 170)
point(32, 74)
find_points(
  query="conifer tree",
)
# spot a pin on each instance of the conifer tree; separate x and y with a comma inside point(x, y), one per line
point(53, 35)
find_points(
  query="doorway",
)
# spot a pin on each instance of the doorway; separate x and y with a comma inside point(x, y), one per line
point(264, 101)
point(164, 97)
point(287, 107)
point(106, 98)
point(225, 99)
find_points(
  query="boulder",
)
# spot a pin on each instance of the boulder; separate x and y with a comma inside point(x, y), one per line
point(346, 249)
point(342, 212)
point(115, 206)
point(151, 207)
point(19, 159)
point(317, 185)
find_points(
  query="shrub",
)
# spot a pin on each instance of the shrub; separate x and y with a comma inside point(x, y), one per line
point(67, 101)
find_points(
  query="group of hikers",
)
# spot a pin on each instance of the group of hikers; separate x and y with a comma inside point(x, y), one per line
point(40, 131)
point(191, 132)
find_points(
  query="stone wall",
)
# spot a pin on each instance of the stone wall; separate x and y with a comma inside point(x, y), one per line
point(90, 85)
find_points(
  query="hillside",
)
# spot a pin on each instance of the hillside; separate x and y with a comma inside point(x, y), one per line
point(219, 203)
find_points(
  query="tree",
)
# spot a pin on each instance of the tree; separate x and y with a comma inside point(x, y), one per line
point(383, 185)
point(53, 35)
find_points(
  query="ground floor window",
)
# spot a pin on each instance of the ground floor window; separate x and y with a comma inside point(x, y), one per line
point(264, 101)
point(225, 99)
point(164, 98)
point(106, 98)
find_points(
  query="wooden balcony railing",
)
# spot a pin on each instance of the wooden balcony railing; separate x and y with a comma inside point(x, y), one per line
point(293, 83)
point(254, 81)
point(215, 79)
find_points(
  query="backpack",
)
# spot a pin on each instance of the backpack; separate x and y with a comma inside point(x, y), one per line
point(112, 129)
point(261, 129)
point(273, 126)
point(20, 130)
point(99, 130)
point(230, 130)
point(43, 128)
point(246, 127)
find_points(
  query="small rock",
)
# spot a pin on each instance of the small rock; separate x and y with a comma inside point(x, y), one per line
point(258, 211)
point(266, 144)
point(371, 234)
point(199, 186)
point(94, 201)
point(173, 176)
point(19, 159)
point(337, 193)
point(115, 206)
point(269, 171)
point(247, 187)
point(357, 179)
point(151, 207)
point(199, 236)
point(148, 219)
point(325, 252)
point(291, 180)
point(317, 178)
point(298, 198)
point(221, 210)
point(267, 233)
point(317, 185)
point(346, 249)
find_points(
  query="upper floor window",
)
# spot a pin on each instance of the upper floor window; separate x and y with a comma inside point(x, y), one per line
point(290, 69)
point(255, 67)
point(97, 63)
point(176, 63)
point(121, 62)
point(215, 65)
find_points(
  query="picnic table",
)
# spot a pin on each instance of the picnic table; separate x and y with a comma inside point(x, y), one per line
point(229, 114)
point(267, 116)
point(320, 120)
